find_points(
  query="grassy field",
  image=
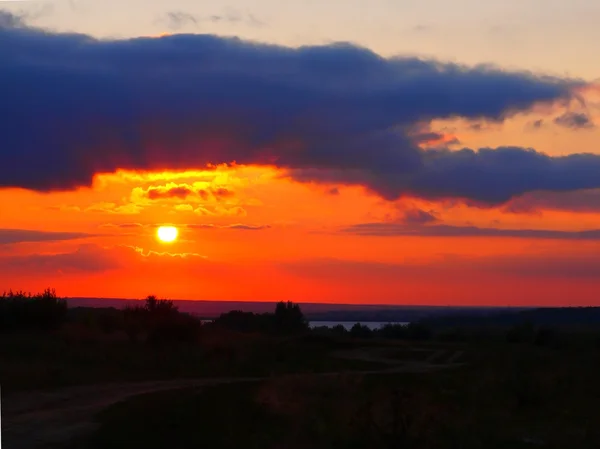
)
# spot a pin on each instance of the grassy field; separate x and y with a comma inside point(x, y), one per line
point(49, 361)
point(250, 382)
point(505, 397)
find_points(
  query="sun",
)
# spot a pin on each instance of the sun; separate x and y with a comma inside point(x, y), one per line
point(167, 234)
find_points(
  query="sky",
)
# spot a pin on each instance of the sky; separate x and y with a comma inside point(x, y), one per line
point(381, 152)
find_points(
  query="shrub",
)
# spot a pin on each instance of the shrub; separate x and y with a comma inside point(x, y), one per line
point(287, 319)
point(360, 331)
point(24, 311)
point(161, 321)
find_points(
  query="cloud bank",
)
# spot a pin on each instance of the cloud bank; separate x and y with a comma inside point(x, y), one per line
point(338, 113)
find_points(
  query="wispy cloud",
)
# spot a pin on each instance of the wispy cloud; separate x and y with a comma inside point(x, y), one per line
point(442, 230)
point(11, 236)
point(577, 201)
point(176, 20)
point(452, 267)
point(84, 260)
point(151, 253)
point(574, 120)
point(417, 216)
point(239, 226)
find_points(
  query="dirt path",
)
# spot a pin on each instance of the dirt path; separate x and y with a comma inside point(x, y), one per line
point(36, 420)
point(46, 419)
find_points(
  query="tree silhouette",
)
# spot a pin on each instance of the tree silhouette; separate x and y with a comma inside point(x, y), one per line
point(289, 319)
point(360, 331)
point(161, 321)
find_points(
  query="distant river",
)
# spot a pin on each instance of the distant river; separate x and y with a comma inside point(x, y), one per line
point(348, 324)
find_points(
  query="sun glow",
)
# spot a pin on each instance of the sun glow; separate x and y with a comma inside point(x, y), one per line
point(167, 234)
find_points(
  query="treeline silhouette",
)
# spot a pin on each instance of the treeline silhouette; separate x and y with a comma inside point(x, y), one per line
point(412, 331)
point(159, 321)
point(24, 311)
point(155, 321)
point(547, 316)
point(287, 319)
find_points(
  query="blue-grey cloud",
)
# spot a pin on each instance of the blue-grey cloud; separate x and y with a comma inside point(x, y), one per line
point(84, 260)
point(536, 124)
point(574, 120)
point(443, 230)
point(484, 177)
point(452, 267)
point(76, 106)
point(8, 20)
point(578, 201)
point(11, 236)
point(418, 216)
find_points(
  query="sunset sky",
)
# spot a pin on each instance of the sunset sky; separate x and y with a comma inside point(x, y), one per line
point(341, 151)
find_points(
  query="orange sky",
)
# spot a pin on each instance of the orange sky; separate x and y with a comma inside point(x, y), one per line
point(250, 233)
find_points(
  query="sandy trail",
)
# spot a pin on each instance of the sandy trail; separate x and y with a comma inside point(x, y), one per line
point(44, 419)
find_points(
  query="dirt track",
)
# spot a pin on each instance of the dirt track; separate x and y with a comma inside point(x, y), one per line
point(35, 420)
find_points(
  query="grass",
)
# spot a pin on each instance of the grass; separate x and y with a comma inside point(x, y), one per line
point(40, 361)
point(510, 397)
point(505, 396)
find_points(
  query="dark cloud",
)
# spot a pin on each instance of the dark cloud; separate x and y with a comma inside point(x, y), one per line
point(8, 20)
point(10, 236)
point(182, 191)
point(221, 192)
point(426, 137)
point(574, 120)
point(157, 193)
point(434, 139)
point(86, 259)
point(454, 267)
point(29, 11)
point(336, 113)
point(485, 177)
point(122, 225)
point(418, 216)
point(249, 227)
point(238, 226)
point(578, 201)
point(441, 230)
point(536, 124)
point(478, 126)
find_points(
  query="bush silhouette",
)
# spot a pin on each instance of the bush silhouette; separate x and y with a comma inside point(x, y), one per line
point(287, 319)
point(239, 321)
point(396, 331)
point(360, 331)
point(24, 311)
point(161, 321)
